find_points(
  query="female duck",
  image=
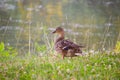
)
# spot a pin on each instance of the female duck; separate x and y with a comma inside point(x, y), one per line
point(66, 47)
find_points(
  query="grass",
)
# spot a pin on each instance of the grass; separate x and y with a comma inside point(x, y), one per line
point(89, 67)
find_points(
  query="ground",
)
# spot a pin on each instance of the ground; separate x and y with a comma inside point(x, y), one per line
point(100, 66)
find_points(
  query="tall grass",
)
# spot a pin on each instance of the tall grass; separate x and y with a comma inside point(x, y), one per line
point(89, 67)
point(98, 67)
point(101, 66)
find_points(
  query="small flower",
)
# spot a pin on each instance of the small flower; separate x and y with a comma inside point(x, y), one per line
point(58, 67)
point(24, 72)
point(93, 70)
point(109, 67)
point(95, 64)
point(68, 70)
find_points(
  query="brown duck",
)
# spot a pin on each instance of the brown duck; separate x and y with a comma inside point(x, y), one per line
point(66, 47)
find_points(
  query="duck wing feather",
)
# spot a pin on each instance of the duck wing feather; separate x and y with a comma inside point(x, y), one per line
point(70, 44)
point(67, 44)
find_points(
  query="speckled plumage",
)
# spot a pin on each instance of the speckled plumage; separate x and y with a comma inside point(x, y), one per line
point(66, 47)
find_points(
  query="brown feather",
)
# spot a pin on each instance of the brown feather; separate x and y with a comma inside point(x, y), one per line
point(66, 47)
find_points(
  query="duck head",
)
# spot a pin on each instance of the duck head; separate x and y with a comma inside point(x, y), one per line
point(59, 31)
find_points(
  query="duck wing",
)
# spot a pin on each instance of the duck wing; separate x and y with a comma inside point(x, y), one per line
point(70, 44)
point(66, 45)
point(71, 47)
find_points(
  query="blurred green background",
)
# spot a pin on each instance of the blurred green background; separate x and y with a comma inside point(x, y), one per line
point(27, 24)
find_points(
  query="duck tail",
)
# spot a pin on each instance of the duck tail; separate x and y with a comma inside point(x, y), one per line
point(78, 54)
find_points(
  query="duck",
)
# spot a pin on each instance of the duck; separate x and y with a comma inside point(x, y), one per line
point(64, 46)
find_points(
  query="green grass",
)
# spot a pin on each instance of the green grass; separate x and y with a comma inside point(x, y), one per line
point(91, 67)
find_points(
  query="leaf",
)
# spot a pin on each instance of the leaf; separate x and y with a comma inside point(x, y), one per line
point(2, 47)
point(117, 47)
point(41, 48)
point(6, 54)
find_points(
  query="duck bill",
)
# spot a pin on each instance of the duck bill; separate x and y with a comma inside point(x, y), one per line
point(54, 32)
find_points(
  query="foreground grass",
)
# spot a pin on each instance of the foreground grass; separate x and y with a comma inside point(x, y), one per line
point(91, 67)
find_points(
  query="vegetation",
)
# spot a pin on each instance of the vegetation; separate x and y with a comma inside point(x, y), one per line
point(27, 24)
point(102, 66)
point(117, 47)
point(90, 22)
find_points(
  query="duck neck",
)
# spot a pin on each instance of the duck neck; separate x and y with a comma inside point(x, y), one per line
point(61, 37)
